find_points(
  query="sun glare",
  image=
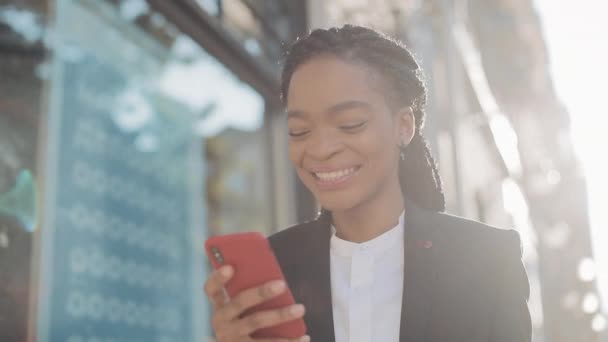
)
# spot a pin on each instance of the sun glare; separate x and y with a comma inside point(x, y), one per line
point(575, 33)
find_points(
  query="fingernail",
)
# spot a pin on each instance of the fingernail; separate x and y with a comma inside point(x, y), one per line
point(297, 309)
point(277, 286)
point(226, 271)
point(305, 338)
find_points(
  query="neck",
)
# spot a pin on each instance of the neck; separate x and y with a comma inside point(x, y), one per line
point(371, 218)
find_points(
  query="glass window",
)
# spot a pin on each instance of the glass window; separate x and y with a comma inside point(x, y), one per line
point(149, 144)
point(261, 27)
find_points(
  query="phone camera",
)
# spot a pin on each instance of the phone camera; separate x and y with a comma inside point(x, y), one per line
point(217, 255)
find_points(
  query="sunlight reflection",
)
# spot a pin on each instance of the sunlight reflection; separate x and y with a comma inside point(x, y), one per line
point(198, 80)
point(579, 70)
point(599, 323)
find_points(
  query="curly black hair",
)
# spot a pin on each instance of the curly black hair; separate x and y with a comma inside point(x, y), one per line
point(418, 173)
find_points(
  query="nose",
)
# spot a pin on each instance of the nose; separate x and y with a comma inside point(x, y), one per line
point(323, 145)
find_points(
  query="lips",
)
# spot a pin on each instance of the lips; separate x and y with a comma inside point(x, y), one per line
point(332, 179)
point(334, 175)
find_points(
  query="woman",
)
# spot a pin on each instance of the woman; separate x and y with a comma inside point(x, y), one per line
point(382, 262)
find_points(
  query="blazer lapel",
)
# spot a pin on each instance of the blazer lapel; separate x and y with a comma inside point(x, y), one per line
point(315, 284)
point(314, 287)
point(418, 274)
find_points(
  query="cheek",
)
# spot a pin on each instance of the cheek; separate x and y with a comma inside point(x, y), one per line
point(294, 151)
point(377, 145)
point(381, 152)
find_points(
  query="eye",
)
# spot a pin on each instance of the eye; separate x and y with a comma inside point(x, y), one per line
point(295, 134)
point(353, 127)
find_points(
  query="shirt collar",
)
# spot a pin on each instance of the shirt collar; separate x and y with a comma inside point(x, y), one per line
point(375, 246)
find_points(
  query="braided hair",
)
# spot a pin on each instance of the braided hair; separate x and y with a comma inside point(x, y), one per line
point(418, 173)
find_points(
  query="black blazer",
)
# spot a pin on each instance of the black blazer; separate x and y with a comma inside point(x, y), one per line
point(463, 281)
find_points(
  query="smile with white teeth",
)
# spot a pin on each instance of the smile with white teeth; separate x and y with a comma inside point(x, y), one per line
point(335, 175)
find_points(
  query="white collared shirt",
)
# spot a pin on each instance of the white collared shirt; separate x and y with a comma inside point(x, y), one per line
point(366, 287)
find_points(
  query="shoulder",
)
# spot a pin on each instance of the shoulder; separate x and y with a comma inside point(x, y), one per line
point(466, 236)
point(294, 233)
point(466, 249)
point(296, 242)
point(480, 272)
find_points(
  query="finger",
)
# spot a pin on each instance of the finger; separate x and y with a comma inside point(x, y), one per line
point(214, 286)
point(304, 338)
point(249, 298)
point(268, 318)
point(219, 299)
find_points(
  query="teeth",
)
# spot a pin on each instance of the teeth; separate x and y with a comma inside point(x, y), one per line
point(330, 176)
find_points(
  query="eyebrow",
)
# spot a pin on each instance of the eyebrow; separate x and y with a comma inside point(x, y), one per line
point(339, 107)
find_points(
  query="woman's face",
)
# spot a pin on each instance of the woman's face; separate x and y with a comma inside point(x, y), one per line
point(343, 136)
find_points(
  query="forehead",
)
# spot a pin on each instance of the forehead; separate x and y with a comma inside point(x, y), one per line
point(325, 81)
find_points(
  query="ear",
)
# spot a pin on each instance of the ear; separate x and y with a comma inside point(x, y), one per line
point(406, 125)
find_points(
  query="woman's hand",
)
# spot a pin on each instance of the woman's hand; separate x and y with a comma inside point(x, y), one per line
point(227, 325)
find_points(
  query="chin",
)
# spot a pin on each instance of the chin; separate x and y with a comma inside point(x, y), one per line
point(337, 202)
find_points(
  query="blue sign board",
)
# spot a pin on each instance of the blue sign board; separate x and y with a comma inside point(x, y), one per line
point(122, 227)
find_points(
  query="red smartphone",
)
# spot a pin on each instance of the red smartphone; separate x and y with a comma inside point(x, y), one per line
point(254, 264)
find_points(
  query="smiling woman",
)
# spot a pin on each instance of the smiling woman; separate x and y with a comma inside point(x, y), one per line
point(339, 137)
point(362, 99)
point(382, 262)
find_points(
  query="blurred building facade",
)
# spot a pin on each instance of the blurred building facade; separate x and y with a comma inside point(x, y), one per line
point(502, 140)
point(108, 106)
point(129, 132)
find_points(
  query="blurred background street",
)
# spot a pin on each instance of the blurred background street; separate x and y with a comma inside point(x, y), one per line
point(130, 131)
